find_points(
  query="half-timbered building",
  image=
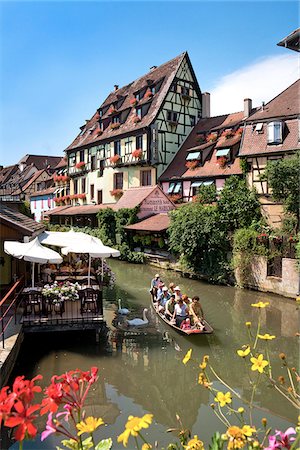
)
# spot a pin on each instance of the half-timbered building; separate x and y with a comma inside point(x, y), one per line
point(135, 133)
point(271, 133)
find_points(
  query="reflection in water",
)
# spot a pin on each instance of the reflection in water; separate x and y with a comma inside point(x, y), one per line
point(141, 371)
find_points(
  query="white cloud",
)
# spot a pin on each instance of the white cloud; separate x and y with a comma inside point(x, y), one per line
point(260, 81)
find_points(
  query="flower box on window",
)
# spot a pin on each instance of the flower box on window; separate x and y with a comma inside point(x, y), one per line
point(239, 132)
point(80, 165)
point(115, 126)
point(191, 164)
point(227, 134)
point(136, 119)
point(175, 198)
point(148, 93)
point(99, 132)
point(138, 153)
point(211, 137)
point(133, 101)
point(57, 199)
point(114, 159)
point(112, 110)
point(222, 161)
point(82, 196)
point(64, 178)
point(116, 192)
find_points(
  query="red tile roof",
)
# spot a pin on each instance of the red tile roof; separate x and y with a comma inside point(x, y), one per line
point(41, 161)
point(78, 210)
point(134, 196)
point(15, 219)
point(62, 163)
point(256, 143)
point(285, 104)
point(177, 168)
point(156, 223)
point(32, 179)
point(48, 191)
point(165, 73)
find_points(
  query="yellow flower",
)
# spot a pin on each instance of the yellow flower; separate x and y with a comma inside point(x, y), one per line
point(247, 430)
point(248, 324)
point(260, 304)
point(89, 425)
point(133, 426)
point(194, 444)
point(223, 398)
point(259, 363)
point(241, 410)
point(266, 337)
point(204, 362)
point(187, 356)
point(244, 353)
point(236, 437)
point(146, 446)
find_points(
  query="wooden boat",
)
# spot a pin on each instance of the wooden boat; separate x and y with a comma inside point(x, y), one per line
point(207, 328)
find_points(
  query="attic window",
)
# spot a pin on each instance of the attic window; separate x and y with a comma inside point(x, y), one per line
point(207, 183)
point(196, 184)
point(275, 133)
point(259, 127)
point(222, 152)
point(172, 116)
point(100, 112)
point(193, 155)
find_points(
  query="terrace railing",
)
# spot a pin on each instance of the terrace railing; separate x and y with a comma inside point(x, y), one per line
point(8, 308)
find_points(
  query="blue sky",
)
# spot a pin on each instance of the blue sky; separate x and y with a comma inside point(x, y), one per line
point(61, 59)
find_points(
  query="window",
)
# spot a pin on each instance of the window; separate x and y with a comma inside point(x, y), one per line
point(83, 185)
point(49, 202)
point(101, 167)
point(152, 89)
point(92, 186)
point(193, 155)
point(185, 91)
point(274, 267)
point(118, 180)
point(145, 178)
point(100, 112)
point(139, 142)
point(138, 112)
point(81, 155)
point(275, 133)
point(116, 119)
point(99, 197)
point(93, 163)
point(72, 159)
point(259, 127)
point(34, 204)
point(138, 96)
point(222, 152)
point(128, 146)
point(193, 120)
point(42, 204)
point(173, 87)
point(117, 147)
point(172, 116)
point(75, 186)
point(174, 188)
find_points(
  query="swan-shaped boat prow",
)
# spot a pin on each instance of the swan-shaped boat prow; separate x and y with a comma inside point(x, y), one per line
point(139, 322)
point(123, 311)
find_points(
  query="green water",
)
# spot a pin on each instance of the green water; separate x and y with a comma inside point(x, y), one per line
point(142, 372)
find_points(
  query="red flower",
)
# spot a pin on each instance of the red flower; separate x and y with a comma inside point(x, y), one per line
point(24, 390)
point(148, 93)
point(114, 159)
point(211, 137)
point(116, 192)
point(23, 417)
point(80, 164)
point(112, 110)
point(227, 134)
point(6, 403)
point(133, 101)
point(137, 153)
point(192, 164)
point(115, 126)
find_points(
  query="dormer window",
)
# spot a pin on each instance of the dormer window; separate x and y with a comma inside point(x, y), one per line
point(152, 89)
point(116, 119)
point(191, 156)
point(174, 188)
point(259, 127)
point(137, 96)
point(100, 113)
point(275, 132)
point(138, 112)
point(224, 152)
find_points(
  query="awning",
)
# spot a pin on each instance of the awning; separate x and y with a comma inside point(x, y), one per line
point(193, 155)
point(222, 152)
point(196, 183)
point(207, 183)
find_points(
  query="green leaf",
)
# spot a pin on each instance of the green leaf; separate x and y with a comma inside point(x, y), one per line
point(105, 444)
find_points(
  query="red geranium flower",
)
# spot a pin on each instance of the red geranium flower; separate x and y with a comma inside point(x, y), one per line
point(22, 418)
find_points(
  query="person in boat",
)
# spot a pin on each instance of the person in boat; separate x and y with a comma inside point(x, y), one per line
point(196, 312)
point(181, 312)
point(178, 294)
point(171, 288)
point(154, 285)
point(186, 324)
point(164, 297)
point(160, 289)
point(187, 300)
point(169, 308)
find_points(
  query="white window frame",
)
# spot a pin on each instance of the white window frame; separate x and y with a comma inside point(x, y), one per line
point(275, 132)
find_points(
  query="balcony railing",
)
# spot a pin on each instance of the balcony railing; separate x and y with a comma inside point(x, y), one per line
point(128, 160)
point(77, 171)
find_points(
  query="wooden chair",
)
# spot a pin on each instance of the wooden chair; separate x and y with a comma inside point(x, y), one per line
point(33, 303)
point(89, 299)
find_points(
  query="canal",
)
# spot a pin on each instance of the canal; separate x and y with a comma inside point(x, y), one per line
point(142, 372)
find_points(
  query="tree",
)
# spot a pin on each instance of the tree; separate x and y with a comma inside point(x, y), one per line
point(238, 206)
point(283, 176)
point(206, 194)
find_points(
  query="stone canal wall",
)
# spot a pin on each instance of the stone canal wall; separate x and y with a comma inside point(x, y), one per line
point(8, 356)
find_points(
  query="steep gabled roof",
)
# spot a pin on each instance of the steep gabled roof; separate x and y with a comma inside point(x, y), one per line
point(292, 41)
point(157, 223)
point(7, 172)
point(164, 74)
point(32, 179)
point(134, 196)
point(285, 104)
point(177, 168)
point(17, 220)
point(41, 161)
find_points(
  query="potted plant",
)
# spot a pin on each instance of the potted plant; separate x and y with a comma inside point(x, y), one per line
point(116, 193)
point(227, 134)
point(82, 196)
point(148, 93)
point(115, 125)
point(136, 118)
point(239, 131)
point(99, 131)
point(133, 101)
point(211, 137)
point(222, 161)
point(80, 165)
point(114, 159)
point(175, 198)
point(192, 164)
point(112, 110)
point(138, 153)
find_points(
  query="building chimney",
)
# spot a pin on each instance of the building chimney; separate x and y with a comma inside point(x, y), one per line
point(153, 68)
point(116, 86)
point(205, 105)
point(247, 107)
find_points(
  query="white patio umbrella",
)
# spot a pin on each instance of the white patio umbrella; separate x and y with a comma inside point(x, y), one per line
point(32, 251)
point(64, 238)
point(94, 248)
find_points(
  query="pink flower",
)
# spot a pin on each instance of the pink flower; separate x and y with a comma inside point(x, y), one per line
point(283, 442)
point(50, 428)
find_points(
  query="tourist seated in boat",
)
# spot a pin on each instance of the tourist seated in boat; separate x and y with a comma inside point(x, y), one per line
point(186, 324)
point(196, 311)
point(187, 300)
point(178, 293)
point(169, 307)
point(181, 312)
point(160, 289)
point(154, 285)
point(171, 288)
point(164, 297)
